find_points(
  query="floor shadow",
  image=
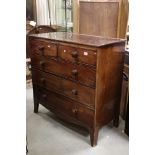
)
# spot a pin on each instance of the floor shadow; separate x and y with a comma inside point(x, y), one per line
point(76, 128)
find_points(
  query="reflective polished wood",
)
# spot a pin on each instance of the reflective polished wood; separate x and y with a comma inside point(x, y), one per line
point(78, 77)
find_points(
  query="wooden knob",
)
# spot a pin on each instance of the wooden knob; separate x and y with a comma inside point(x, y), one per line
point(42, 80)
point(37, 31)
point(74, 91)
point(41, 48)
point(42, 63)
point(44, 96)
point(75, 72)
point(74, 54)
point(75, 111)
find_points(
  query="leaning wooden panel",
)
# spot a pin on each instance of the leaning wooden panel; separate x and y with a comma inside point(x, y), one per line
point(99, 18)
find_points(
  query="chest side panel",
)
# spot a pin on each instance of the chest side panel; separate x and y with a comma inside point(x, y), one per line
point(108, 81)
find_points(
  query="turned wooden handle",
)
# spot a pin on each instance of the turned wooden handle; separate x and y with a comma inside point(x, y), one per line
point(42, 80)
point(44, 96)
point(37, 31)
point(74, 91)
point(75, 111)
point(74, 72)
point(74, 54)
point(41, 48)
point(42, 63)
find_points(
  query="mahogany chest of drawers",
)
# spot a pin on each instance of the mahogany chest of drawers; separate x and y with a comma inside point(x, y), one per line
point(78, 77)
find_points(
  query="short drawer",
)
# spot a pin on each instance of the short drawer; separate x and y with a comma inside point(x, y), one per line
point(62, 105)
point(77, 54)
point(43, 47)
point(68, 88)
point(78, 73)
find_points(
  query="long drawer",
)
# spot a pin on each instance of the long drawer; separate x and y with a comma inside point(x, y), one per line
point(68, 88)
point(63, 105)
point(79, 73)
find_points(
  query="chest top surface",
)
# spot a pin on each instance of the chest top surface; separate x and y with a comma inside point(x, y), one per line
point(81, 39)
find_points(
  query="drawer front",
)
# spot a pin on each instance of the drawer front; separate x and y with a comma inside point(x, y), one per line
point(80, 74)
point(68, 88)
point(77, 55)
point(43, 47)
point(60, 104)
